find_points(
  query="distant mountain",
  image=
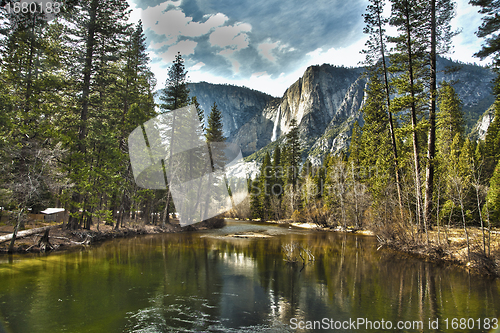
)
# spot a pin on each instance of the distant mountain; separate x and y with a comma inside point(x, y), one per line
point(474, 86)
point(325, 102)
point(481, 127)
point(237, 104)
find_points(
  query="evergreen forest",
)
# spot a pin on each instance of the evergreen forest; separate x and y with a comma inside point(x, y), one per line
point(73, 88)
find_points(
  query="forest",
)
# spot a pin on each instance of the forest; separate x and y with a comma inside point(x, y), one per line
point(411, 172)
point(74, 87)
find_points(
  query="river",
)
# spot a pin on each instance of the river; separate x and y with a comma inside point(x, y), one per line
point(208, 282)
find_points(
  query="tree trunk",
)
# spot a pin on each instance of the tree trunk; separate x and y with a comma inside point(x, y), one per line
point(431, 143)
point(413, 118)
point(44, 242)
point(476, 186)
point(391, 123)
point(25, 233)
point(16, 228)
point(73, 222)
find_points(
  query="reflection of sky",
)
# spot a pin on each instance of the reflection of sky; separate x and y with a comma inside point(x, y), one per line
point(267, 44)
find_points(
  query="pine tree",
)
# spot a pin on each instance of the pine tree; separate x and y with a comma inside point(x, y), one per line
point(450, 120)
point(99, 31)
point(30, 77)
point(491, 48)
point(199, 111)
point(408, 60)
point(375, 141)
point(376, 58)
point(493, 197)
point(134, 96)
point(441, 13)
point(215, 134)
point(277, 183)
point(489, 29)
point(492, 143)
point(265, 186)
point(175, 95)
point(375, 130)
point(459, 179)
point(292, 163)
point(255, 202)
point(356, 145)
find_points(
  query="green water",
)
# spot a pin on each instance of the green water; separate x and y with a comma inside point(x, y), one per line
point(207, 282)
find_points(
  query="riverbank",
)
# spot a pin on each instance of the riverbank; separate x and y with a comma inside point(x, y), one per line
point(447, 245)
point(60, 239)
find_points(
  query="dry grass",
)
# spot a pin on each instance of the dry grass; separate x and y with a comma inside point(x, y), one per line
point(449, 245)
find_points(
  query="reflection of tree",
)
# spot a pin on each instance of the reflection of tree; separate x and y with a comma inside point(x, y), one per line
point(176, 282)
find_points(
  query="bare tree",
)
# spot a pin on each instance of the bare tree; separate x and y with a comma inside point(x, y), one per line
point(33, 174)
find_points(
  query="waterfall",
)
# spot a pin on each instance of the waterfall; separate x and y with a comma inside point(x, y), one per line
point(276, 122)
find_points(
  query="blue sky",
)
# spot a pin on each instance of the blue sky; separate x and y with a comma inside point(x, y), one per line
point(267, 44)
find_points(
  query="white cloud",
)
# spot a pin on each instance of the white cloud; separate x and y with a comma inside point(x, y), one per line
point(260, 81)
point(197, 67)
point(234, 37)
point(174, 23)
point(349, 56)
point(259, 75)
point(236, 66)
point(226, 53)
point(194, 29)
point(266, 48)
point(230, 39)
point(185, 47)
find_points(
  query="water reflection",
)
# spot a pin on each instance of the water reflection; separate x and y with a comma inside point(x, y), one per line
point(207, 282)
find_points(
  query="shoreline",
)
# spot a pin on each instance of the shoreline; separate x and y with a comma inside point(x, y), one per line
point(64, 239)
point(453, 253)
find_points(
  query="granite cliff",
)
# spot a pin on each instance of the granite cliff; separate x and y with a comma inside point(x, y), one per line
point(325, 102)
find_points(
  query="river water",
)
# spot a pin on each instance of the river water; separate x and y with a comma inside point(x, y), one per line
point(208, 282)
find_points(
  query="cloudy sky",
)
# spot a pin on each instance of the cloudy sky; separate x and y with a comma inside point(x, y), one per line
point(266, 44)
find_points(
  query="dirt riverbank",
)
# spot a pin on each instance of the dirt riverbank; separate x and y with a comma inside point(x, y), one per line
point(63, 239)
point(447, 245)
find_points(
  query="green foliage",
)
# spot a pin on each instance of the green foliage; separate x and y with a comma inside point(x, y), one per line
point(291, 154)
point(266, 182)
point(76, 88)
point(255, 203)
point(356, 145)
point(493, 198)
point(215, 126)
point(214, 133)
point(450, 121)
point(375, 28)
point(489, 29)
point(175, 95)
point(492, 143)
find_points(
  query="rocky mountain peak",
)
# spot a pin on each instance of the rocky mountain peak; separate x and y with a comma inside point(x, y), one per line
point(325, 102)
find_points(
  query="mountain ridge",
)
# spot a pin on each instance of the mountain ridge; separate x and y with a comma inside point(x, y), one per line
point(325, 101)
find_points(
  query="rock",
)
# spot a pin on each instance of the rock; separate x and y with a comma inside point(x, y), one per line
point(325, 101)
